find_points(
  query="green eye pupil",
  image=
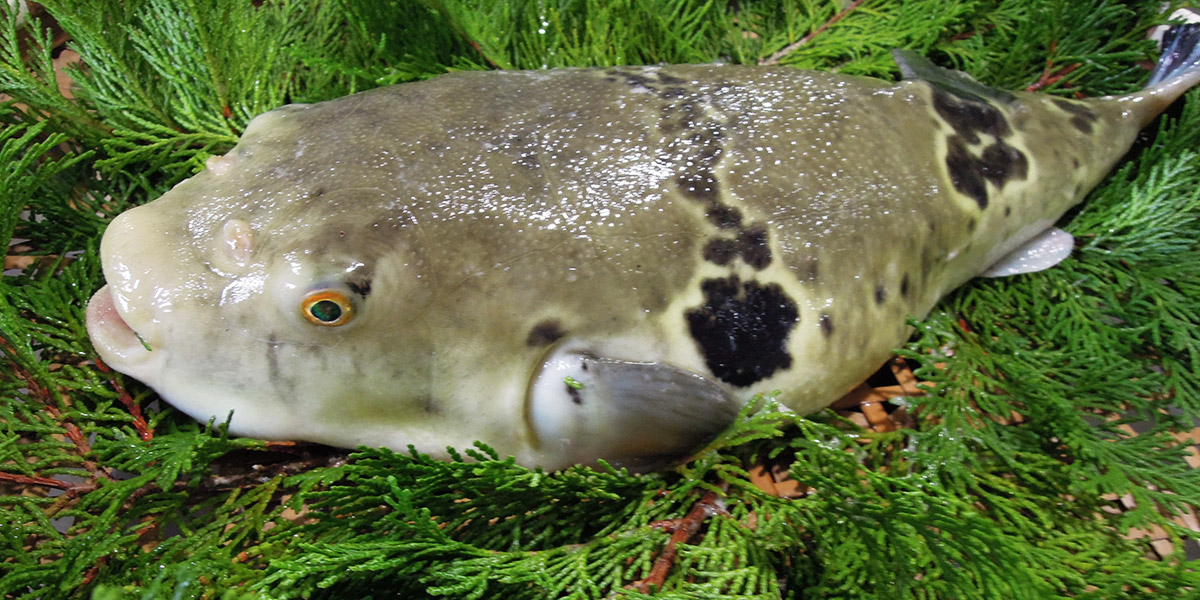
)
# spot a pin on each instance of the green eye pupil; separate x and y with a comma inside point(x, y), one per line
point(326, 311)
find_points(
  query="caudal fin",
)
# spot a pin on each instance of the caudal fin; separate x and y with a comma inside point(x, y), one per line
point(1180, 55)
point(1178, 68)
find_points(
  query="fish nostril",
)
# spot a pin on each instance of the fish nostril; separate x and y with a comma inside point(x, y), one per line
point(219, 165)
point(237, 241)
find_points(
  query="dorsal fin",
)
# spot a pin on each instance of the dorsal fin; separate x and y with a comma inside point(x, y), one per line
point(914, 66)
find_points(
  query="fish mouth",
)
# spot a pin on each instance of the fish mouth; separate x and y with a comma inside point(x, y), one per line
point(115, 340)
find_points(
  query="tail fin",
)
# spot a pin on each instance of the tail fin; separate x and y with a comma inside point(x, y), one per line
point(1181, 53)
point(1178, 69)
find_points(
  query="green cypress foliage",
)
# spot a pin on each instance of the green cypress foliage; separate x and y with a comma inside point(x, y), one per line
point(108, 493)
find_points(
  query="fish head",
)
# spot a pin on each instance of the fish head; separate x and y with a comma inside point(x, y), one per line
point(257, 294)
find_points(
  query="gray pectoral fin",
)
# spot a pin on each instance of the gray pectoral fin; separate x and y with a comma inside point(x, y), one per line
point(633, 414)
point(1042, 252)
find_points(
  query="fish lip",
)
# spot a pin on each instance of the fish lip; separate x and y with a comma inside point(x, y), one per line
point(117, 343)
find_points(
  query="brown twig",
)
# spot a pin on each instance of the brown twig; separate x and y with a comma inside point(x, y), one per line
point(48, 400)
point(682, 531)
point(778, 56)
point(491, 63)
point(36, 480)
point(139, 422)
point(1049, 77)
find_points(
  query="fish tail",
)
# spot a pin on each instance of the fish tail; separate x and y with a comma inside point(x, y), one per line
point(1180, 55)
point(1178, 69)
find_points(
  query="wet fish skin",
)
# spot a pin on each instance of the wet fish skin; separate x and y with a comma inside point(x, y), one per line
point(717, 230)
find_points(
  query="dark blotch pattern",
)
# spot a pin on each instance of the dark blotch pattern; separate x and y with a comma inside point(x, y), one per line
point(826, 324)
point(742, 329)
point(880, 294)
point(573, 392)
point(361, 287)
point(970, 117)
point(725, 217)
point(1082, 117)
point(698, 181)
point(674, 92)
point(998, 163)
point(966, 174)
point(1002, 163)
point(904, 285)
point(669, 80)
point(699, 185)
point(678, 118)
point(545, 333)
point(753, 245)
point(720, 251)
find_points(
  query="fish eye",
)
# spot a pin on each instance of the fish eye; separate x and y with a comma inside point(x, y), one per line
point(328, 308)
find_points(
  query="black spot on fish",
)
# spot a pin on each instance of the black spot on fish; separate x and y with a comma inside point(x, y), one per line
point(880, 294)
point(1007, 211)
point(742, 329)
point(674, 92)
point(753, 245)
point(573, 392)
point(544, 333)
point(699, 185)
point(904, 285)
point(965, 172)
point(677, 118)
point(638, 80)
point(665, 79)
point(1001, 163)
point(1074, 163)
point(720, 251)
point(968, 117)
point(725, 217)
point(826, 324)
point(317, 193)
point(971, 224)
point(361, 287)
point(708, 143)
point(1082, 117)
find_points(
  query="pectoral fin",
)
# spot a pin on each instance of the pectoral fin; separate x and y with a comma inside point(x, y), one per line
point(1038, 254)
point(632, 414)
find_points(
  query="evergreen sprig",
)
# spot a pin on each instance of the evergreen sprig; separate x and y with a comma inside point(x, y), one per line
point(1046, 439)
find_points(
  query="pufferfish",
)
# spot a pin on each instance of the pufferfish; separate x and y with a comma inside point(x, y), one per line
point(581, 264)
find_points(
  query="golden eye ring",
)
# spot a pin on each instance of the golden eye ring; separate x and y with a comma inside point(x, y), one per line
point(327, 308)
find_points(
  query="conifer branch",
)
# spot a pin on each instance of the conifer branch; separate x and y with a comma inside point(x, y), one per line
point(135, 410)
point(681, 530)
point(790, 48)
point(1010, 471)
point(1051, 76)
